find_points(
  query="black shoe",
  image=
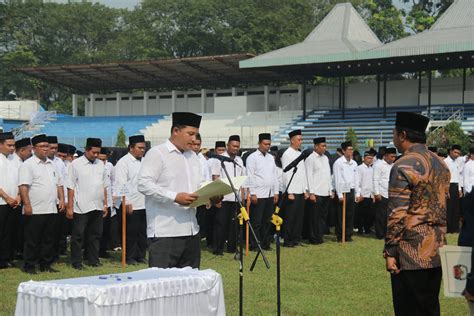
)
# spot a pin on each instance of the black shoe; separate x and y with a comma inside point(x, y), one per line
point(316, 242)
point(141, 260)
point(78, 266)
point(48, 269)
point(30, 270)
point(95, 264)
point(132, 262)
point(6, 265)
point(218, 252)
point(104, 255)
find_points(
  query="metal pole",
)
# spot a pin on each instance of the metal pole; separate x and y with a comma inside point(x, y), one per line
point(343, 97)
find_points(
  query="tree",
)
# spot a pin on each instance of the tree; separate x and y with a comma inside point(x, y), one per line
point(384, 19)
point(423, 13)
point(352, 137)
point(449, 135)
point(121, 138)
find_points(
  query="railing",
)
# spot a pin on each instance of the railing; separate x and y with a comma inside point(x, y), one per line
point(448, 114)
point(457, 116)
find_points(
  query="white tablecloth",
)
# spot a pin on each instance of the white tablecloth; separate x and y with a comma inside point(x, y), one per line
point(146, 292)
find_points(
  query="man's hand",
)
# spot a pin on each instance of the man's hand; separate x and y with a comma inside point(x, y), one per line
point(69, 213)
point(17, 201)
point(460, 194)
point(27, 210)
point(11, 202)
point(129, 209)
point(358, 199)
point(341, 200)
point(275, 199)
point(105, 211)
point(253, 199)
point(291, 197)
point(61, 207)
point(312, 198)
point(378, 198)
point(305, 195)
point(185, 199)
point(391, 263)
point(217, 201)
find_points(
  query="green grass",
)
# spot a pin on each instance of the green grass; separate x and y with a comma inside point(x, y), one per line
point(329, 279)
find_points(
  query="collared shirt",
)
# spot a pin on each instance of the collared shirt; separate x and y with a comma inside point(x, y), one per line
point(345, 176)
point(262, 171)
point(43, 181)
point(88, 180)
point(381, 178)
point(454, 171)
point(60, 168)
point(165, 172)
point(299, 184)
point(16, 160)
point(318, 173)
point(416, 227)
point(234, 170)
point(126, 174)
point(8, 178)
point(365, 175)
point(468, 176)
point(110, 175)
point(204, 167)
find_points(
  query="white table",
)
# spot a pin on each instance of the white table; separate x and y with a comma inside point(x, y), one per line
point(146, 292)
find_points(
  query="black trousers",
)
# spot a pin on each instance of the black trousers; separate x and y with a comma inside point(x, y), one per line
point(87, 230)
point(381, 217)
point(317, 218)
point(293, 221)
point(6, 215)
point(350, 209)
point(416, 292)
point(453, 209)
point(260, 219)
point(175, 252)
point(365, 215)
point(136, 235)
point(225, 227)
point(40, 233)
point(16, 230)
point(65, 230)
point(209, 230)
point(105, 238)
point(116, 230)
point(201, 219)
point(466, 236)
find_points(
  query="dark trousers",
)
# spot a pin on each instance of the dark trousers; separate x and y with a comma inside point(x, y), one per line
point(40, 233)
point(350, 209)
point(260, 216)
point(136, 235)
point(105, 238)
point(317, 219)
point(415, 292)
point(381, 217)
point(201, 219)
point(65, 230)
point(225, 227)
point(175, 252)
point(87, 230)
point(293, 221)
point(209, 230)
point(17, 233)
point(331, 219)
point(6, 215)
point(365, 215)
point(453, 213)
point(466, 236)
point(115, 230)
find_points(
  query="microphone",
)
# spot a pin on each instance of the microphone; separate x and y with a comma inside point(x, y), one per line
point(222, 158)
point(295, 162)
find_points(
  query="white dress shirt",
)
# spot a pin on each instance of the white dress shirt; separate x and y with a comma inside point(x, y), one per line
point(382, 178)
point(8, 177)
point(88, 180)
point(461, 162)
point(16, 160)
point(454, 171)
point(233, 171)
point(299, 184)
point(318, 173)
point(468, 176)
point(281, 187)
point(165, 172)
point(126, 174)
point(366, 175)
point(43, 181)
point(60, 168)
point(262, 171)
point(204, 167)
point(345, 176)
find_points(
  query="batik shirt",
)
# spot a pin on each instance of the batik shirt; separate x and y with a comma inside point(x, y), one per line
point(416, 228)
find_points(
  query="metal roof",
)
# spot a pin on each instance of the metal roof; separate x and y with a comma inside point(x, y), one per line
point(165, 74)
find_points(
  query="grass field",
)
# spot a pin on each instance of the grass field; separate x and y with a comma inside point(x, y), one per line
point(329, 279)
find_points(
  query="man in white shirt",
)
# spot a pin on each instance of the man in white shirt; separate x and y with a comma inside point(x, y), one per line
point(346, 182)
point(381, 180)
point(364, 217)
point(169, 176)
point(87, 204)
point(297, 192)
point(455, 189)
point(225, 221)
point(320, 189)
point(201, 211)
point(64, 223)
point(261, 170)
point(466, 235)
point(126, 175)
point(106, 238)
point(40, 189)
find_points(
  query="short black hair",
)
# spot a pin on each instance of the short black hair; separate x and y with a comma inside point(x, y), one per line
point(412, 135)
point(198, 137)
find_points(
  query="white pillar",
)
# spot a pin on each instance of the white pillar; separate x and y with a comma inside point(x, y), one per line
point(246, 93)
point(203, 100)
point(266, 97)
point(74, 105)
point(278, 99)
point(214, 95)
point(300, 96)
point(234, 91)
point(118, 101)
point(91, 104)
point(174, 95)
point(186, 101)
point(145, 102)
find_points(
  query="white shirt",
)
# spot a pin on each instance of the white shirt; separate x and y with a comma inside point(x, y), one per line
point(345, 176)
point(262, 171)
point(461, 161)
point(165, 172)
point(233, 171)
point(60, 168)
point(365, 175)
point(43, 182)
point(299, 184)
point(281, 187)
point(204, 167)
point(88, 180)
point(126, 174)
point(454, 171)
point(109, 173)
point(468, 176)
point(382, 178)
point(8, 178)
point(318, 173)
point(16, 160)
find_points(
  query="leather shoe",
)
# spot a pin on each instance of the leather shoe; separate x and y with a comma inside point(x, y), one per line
point(78, 266)
point(30, 270)
point(131, 262)
point(95, 264)
point(48, 269)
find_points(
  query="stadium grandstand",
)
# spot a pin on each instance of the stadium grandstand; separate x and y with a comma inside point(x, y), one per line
point(277, 91)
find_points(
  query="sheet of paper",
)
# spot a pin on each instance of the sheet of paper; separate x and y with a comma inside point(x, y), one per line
point(216, 188)
point(456, 264)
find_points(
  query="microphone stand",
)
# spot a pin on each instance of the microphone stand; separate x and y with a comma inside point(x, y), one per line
point(277, 221)
point(243, 217)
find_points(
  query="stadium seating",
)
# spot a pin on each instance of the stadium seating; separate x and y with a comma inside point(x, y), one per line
point(8, 125)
